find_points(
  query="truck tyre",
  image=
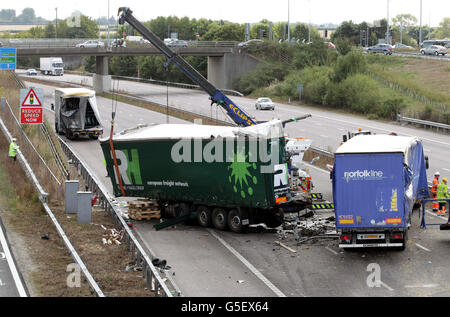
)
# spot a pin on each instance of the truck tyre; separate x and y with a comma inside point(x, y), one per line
point(219, 218)
point(276, 219)
point(204, 216)
point(405, 240)
point(235, 221)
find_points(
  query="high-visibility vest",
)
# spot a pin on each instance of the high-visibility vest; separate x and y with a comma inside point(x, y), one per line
point(13, 149)
point(442, 191)
point(435, 186)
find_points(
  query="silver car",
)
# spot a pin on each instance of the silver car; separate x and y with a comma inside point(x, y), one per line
point(434, 49)
point(91, 43)
point(264, 103)
point(31, 72)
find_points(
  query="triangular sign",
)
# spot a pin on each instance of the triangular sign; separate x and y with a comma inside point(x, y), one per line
point(31, 100)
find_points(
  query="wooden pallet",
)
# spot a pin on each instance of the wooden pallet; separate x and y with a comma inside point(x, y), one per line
point(144, 210)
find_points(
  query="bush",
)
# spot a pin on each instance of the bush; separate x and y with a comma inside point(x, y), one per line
point(261, 77)
point(343, 46)
point(391, 107)
point(358, 93)
point(350, 64)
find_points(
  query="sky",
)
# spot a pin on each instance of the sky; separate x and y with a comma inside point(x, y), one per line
point(246, 11)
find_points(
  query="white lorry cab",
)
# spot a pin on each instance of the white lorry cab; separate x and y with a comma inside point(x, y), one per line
point(76, 113)
point(52, 66)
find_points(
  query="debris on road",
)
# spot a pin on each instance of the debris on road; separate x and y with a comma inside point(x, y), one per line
point(285, 246)
point(240, 281)
point(112, 236)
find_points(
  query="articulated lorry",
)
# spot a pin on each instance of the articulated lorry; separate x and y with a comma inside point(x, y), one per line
point(76, 113)
point(230, 176)
point(377, 181)
point(52, 66)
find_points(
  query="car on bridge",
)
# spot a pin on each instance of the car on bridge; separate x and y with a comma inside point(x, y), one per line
point(434, 50)
point(175, 43)
point(386, 49)
point(91, 43)
point(250, 43)
point(264, 103)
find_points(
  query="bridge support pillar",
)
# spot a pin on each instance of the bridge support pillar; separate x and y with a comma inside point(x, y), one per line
point(223, 69)
point(101, 80)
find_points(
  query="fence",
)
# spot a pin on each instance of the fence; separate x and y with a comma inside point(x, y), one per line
point(407, 92)
point(138, 254)
point(50, 181)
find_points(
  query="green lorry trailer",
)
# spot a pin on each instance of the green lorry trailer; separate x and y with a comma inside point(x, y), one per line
point(230, 177)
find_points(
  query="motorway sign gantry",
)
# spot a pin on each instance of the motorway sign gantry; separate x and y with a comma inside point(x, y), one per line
point(8, 58)
point(31, 105)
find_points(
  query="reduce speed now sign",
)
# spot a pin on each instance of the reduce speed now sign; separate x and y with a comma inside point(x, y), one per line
point(31, 106)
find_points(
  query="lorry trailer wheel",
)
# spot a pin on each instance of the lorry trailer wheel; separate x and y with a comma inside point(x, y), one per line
point(235, 221)
point(219, 218)
point(204, 216)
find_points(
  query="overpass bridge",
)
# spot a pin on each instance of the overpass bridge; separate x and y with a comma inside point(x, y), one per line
point(224, 59)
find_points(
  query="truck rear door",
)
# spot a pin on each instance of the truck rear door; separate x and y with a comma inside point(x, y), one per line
point(368, 191)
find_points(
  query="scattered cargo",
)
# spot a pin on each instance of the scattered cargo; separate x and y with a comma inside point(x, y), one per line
point(76, 113)
point(377, 180)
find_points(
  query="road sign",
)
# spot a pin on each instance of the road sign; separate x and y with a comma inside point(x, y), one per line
point(31, 115)
point(31, 99)
point(31, 105)
point(8, 58)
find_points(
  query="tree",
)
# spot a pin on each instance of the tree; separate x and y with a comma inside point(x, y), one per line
point(7, 15)
point(27, 17)
point(404, 22)
point(347, 30)
point(443, 31)
point(226, 32)
point(259, 30)
point(301, 32)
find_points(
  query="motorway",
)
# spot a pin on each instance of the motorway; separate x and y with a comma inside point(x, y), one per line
point(215, 263)
point(11, 284)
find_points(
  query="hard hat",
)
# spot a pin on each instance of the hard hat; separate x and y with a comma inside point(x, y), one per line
point(14, 139)
point(437, 174)
point(444, 180)
point(359, 129)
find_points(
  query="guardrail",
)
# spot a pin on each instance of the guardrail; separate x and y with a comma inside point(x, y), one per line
point(66, 43)
point(444, 127)
point(62, 168)
point(43, 199)
point(138, 254)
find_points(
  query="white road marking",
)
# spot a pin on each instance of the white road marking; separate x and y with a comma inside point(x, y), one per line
point(331, 250)
point(248, 265)
point(11, 264)
point(437, 216)
point(422, 286)
point(446, 169)
point(381, 129)
point(324, 136)
point(387, 286)
point(422, 247)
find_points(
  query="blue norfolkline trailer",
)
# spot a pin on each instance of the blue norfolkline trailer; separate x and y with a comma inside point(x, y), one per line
point(377, 180)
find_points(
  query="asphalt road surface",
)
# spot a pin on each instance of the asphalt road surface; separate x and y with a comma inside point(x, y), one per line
point(11, 284)
point(216, 263)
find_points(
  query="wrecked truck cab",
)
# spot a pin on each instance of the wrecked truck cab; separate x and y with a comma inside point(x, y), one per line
point(76, 113)
point(377, 180)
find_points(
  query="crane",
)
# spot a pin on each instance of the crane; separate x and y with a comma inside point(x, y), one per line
point(239, 116)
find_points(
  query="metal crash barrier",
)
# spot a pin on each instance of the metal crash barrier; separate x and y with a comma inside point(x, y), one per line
point(423, 224)
point(139, 256)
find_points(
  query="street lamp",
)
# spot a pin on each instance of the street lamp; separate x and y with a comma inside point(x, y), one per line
point(56, 23)
point(107, 19)
point(288, 27)
point(420, 32)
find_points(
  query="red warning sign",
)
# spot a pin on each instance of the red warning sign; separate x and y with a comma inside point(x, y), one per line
point(31, 100)
point(31, 115)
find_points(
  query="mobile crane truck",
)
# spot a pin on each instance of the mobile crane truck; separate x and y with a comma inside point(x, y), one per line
point(227, 192)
